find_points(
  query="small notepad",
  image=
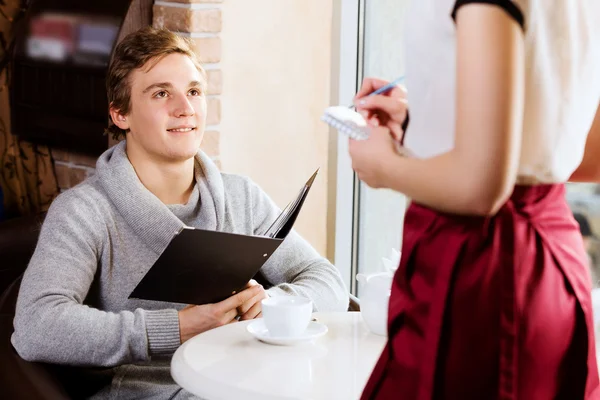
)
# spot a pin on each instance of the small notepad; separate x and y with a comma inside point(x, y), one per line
point(347, 121)
point(353, 125)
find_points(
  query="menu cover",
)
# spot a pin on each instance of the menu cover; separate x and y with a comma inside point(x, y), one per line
point(201, 266)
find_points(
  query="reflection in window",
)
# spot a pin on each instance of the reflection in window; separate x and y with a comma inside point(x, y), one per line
point(584, 200)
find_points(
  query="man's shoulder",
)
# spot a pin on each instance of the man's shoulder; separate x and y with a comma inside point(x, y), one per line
point(242, 189)
point(86, 197)
point(236, 183)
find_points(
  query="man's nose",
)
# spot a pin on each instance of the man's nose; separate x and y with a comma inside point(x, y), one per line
point(183, 107)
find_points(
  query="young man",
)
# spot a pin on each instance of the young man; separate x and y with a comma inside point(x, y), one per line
point(101, 237)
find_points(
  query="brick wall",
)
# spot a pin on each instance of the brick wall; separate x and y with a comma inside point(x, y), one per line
point(71, 168)
point(201, 20)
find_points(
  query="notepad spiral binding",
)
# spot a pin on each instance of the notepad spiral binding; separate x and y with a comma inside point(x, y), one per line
point(346, 121)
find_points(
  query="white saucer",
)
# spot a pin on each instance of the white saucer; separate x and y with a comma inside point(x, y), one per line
point(259, 330)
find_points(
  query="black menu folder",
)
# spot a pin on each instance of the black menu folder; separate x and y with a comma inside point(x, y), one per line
point(201, 266)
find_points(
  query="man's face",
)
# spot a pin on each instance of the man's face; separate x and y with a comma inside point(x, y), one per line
point(168, 109)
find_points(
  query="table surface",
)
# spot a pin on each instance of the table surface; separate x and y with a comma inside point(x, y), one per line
point(229, 363)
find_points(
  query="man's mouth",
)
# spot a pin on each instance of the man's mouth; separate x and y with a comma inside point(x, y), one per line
point(182, 130)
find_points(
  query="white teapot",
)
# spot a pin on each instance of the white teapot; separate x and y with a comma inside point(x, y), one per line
point(374, 290)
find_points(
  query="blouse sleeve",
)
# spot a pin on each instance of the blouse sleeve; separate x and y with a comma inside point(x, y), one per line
point(513, 8)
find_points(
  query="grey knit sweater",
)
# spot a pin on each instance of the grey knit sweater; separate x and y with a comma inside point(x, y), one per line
point(98, 241)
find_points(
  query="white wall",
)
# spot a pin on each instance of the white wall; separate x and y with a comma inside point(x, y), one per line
point(276, 63)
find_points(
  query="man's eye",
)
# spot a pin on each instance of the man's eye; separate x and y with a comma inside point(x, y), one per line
point(195, 92)
point(162, 93)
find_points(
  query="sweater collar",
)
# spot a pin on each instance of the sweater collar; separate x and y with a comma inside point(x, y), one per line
point(149, 217)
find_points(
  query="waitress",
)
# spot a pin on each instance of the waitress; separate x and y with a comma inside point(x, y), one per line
point(492, 296)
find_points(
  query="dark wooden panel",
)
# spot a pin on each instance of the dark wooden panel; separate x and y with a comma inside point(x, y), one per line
point(139, 15)
point(64, 104)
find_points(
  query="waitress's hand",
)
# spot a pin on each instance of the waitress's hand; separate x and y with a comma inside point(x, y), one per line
point(370, 157)
point(388, 109)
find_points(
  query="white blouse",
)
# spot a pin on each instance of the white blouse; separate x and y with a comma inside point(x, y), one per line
point(562, 80)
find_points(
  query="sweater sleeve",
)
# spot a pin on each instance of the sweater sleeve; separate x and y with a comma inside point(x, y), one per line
point(52, 323)
point(296, 268)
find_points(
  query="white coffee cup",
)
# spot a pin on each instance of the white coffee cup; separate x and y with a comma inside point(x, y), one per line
point(286, 316)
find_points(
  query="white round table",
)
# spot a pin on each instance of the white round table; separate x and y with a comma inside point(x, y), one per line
point(229, 363)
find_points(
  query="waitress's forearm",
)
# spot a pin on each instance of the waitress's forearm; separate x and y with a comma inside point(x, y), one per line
point(589, 169)
point(587, 172)
point(450, 183)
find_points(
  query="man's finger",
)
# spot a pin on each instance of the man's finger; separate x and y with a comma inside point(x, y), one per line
point(251, 283)
point(229, 317)
point(252, 312)
point(247, 305)
point(235, 301)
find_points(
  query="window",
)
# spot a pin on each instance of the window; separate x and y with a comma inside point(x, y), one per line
point(368, 222)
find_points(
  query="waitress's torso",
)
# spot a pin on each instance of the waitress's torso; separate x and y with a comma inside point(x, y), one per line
point(562, 80)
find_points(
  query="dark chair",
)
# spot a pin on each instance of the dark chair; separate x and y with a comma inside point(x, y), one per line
point(20, 379)
point(18, 238)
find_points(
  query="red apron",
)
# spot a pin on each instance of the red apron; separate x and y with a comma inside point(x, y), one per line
point(491, 307)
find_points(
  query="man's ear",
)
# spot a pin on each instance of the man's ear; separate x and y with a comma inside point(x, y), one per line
point(119, 119)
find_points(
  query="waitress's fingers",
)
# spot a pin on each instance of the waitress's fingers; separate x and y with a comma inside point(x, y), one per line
point(391, 107)
point(369, 85)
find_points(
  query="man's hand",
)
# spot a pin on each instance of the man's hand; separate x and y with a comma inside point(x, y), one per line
point(252, 308)
point(197, 319)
